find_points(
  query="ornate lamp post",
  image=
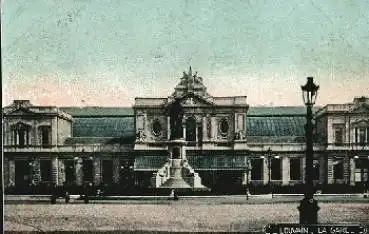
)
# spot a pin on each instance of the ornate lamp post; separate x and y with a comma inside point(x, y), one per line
point(269, 156)
point(308, 205)
point(247, 171)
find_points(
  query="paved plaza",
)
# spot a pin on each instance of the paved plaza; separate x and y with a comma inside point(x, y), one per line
point(223, 214)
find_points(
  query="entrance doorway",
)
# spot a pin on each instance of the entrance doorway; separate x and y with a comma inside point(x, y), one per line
point(22, 173)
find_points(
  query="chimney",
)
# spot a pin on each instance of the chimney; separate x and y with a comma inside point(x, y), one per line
point(22, 103)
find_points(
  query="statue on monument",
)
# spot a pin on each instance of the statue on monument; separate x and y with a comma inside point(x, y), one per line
point(176, 116)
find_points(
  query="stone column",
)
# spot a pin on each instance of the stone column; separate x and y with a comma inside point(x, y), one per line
point(79, 172)
point(330, 178)
point(116, 170)
point(213, 128)
point(285, 170)
point(322, 169)
point(265, 171)
point(168, 127)
point(184, 127)
point(61, 172)
point(352, 171)
point(11, 180)
point(6, 171)
point(54, 170)
point(97, 171)
point(54, 133)
point(36, 173)
point(204, 129)
point(302, 168)
point(346, 169)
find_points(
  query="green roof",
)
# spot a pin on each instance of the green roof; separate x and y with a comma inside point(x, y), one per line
point(275, 126)
point(279, 110)
point(103, 127)
point(97, 111)
point(100, 140)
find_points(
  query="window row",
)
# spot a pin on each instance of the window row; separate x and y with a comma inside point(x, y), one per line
point(275, 169)
point(21, 135)
point(361, 135)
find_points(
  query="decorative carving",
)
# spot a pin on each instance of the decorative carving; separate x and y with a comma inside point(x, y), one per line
point(140, 136)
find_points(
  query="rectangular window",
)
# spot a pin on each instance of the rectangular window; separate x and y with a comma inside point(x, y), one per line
point(256, 169)
point(107, 172)
point(356, 136)
point(45, 135)
point(338, 170)
point(87, 170)
point(338, 136)
point(276, 169)
point(45, 169)
point(70, 171)
point(295, 172)
point(21, 137)
point(367, 136)
point(362, 136)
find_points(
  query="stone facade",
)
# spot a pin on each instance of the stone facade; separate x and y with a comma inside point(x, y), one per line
point(124, 146)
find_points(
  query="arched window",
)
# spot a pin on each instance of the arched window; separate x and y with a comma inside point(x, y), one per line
point(223, 127)
point(21, 133)
point(156, 128)
point(190, 129)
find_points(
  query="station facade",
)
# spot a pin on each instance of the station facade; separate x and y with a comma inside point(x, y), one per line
point(229, 144)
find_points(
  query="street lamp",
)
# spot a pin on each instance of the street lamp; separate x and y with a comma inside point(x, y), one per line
point(308, 205)
point(247, 170)
point(269, 156)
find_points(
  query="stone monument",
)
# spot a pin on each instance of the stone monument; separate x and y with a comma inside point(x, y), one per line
point(181, 175)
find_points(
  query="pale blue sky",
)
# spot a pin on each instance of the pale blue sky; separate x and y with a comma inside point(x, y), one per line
point(108, 52)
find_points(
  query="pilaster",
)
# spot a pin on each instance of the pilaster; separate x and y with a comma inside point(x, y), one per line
point(79, 172)
point(352, 171)
point(61, 172)
point(285, 170)
point(204, 128)
point(302, 168)
point(346, 169)
point(97, 171)
point(116, 170)
point(322, 170)
point(11, 181)
point(213, 128)
point(330, 178)
point(6, 171)
point(54, 170)
point(36, 171)
point(265, 171)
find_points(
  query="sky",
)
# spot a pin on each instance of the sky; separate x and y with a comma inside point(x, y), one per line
point(107, 52)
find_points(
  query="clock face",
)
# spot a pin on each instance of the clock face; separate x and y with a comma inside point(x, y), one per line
point(156, 127)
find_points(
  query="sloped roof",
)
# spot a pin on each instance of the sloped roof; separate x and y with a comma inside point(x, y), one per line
point(279, 110)
point(275, 126)
point(102, 124)
point(97, 111)
point(103, 127)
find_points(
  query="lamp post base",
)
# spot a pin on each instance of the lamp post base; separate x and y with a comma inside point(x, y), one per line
point(308, 211)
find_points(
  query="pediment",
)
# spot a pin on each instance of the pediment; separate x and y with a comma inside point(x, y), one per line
point(363, 108)
point(20, 111)
point(192, 99)
point(361, 123)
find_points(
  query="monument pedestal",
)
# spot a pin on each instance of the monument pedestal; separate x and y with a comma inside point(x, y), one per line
point(177, 174)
